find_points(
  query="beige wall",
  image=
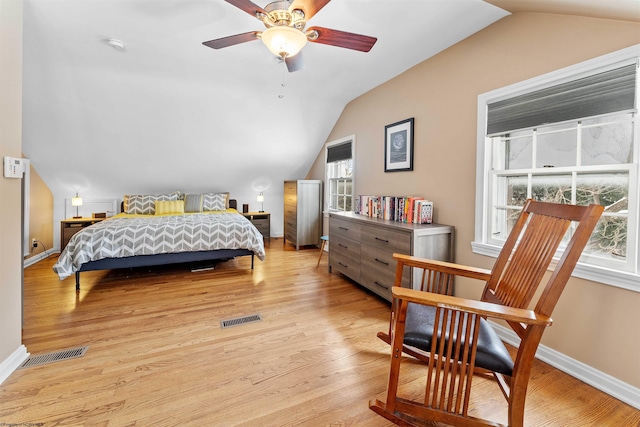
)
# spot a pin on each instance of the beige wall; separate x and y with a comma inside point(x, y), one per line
point(441, 94)
point(40, 214)
point(10, 189)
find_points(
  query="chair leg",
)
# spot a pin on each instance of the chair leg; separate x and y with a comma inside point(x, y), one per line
point(394, 372)
point(516, 399)
point(321, 252)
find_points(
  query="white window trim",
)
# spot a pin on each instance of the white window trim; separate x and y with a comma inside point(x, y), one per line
point(329, 144)
point(620, 279)
point(26, 201)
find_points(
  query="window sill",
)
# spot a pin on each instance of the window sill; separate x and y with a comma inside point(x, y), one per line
point(606, 276)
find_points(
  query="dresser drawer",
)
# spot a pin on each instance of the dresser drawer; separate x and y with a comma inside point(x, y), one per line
point(379, 265)
point(290, 193)
point(385, 238)
point(344, 247)
point(290, 211)
point(290, 187)
point(347, 229)
point(348, 268)
point(379, 281)
point(290, 234)
point(72, 229)
point(344, 256)
point(377, 285)
point(290, 219)
point(263, 226)
point(260, 223)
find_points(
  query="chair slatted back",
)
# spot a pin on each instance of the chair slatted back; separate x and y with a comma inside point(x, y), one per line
point(436, 282)
point(529, 250)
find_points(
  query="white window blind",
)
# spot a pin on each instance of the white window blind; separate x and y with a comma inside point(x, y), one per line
point(602, 93)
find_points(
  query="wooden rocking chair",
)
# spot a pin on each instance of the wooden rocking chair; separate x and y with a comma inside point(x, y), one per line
point(465, 344)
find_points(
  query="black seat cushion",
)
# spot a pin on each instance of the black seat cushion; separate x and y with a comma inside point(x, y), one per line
point(491, 352)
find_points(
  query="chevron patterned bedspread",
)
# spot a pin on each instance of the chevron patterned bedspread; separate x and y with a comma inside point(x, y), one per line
point(129, 235)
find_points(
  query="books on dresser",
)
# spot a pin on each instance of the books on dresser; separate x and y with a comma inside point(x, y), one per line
point(408, 209)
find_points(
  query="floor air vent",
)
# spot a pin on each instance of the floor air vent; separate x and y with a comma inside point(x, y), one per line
point(240, 320)
point(57, 356)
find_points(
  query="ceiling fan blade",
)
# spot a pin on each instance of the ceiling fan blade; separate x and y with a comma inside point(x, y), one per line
point(232, 40)
point(248, 6)
point(309, 7)
point(294, 63)
point(343, 39)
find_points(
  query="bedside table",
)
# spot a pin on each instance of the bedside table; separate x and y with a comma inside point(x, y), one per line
point(262, 221)
point(69, 227)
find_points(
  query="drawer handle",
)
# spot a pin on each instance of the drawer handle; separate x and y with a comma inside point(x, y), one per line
point(382, 262)
point(381, 285)
point(344, 265)
point(343, 246)
point(343, 228)
point(382, 240)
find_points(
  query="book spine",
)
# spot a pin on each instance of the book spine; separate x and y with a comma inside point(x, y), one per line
point(408, 209)
point(426, 213)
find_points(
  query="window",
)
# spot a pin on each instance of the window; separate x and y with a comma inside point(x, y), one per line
point(339, 174)
point(566, 137)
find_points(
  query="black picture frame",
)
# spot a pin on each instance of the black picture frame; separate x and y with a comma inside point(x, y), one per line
point(398, 146)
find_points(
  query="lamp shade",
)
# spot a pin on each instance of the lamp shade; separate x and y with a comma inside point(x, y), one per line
point(76, 201)
point(261, 200)
point(284, 41)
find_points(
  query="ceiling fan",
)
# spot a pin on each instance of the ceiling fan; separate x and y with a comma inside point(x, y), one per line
point(285, 35)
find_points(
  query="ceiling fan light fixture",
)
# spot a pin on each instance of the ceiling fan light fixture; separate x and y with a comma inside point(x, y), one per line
point(284, 41)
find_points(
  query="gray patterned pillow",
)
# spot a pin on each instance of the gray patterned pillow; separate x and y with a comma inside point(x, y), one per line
point(214, 201)
point(145, 204)
point(193, 203)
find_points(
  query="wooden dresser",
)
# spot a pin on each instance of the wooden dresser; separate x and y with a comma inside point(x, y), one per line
point(362, 248)
point(303, 212)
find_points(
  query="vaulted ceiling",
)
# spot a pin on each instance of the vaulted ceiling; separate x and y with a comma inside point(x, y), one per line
point(167, 113)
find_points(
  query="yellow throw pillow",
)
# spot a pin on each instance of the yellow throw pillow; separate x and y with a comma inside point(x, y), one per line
point(169, 207)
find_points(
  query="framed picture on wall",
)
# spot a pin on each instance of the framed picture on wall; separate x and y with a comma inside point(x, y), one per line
point(398, 146)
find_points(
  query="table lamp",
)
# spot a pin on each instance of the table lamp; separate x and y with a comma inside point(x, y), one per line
point(261, 200)
point(76, 201)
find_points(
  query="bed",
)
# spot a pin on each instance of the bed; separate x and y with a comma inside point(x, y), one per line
point(162, 229)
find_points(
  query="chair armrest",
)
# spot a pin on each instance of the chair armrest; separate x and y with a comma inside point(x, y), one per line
point(496, 311)
point(444, 267)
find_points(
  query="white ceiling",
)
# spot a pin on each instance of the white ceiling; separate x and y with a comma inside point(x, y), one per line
point(167, 113)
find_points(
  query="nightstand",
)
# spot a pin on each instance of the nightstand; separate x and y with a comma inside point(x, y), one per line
point(69, 227)
point(262, 221)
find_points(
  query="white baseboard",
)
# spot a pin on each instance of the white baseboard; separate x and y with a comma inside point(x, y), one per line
point(595, 378)
point(12, 362)
point(39, 257)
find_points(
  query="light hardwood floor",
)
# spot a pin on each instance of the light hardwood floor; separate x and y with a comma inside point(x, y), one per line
point(158, 356)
